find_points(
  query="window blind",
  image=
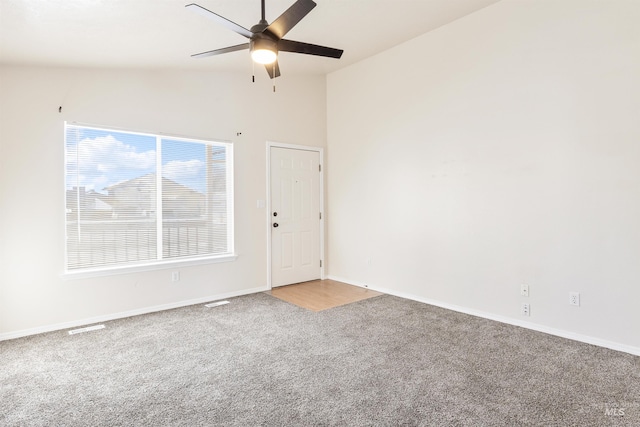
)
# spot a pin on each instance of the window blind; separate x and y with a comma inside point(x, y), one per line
point(135, 198)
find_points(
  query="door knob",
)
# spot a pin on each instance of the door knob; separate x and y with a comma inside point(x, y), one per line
point(275, 225)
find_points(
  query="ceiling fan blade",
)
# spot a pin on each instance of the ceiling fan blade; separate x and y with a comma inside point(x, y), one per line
point(309, 49)
point(220, 20)
point(290, 17)
point(273, 69)
point(221, 51)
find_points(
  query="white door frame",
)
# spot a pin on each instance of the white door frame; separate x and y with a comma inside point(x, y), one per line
point(320, 151)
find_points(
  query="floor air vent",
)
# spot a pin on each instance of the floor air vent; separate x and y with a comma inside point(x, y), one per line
point(216, 304)
point(87, 329)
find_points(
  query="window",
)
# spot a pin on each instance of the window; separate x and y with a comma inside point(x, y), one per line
point(137, 199)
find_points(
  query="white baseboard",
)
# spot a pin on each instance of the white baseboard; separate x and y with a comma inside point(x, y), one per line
point(123, 314)
point(498, 318)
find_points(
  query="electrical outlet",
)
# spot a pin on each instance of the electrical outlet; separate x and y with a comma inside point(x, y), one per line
point(574, 298)
point(175, 276)
point(525, 310)
point(524, 290)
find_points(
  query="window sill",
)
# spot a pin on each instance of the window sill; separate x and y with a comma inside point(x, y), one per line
point(151, 266)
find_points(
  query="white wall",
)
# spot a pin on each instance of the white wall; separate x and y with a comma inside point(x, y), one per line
point(501, 149)
point(33, 296)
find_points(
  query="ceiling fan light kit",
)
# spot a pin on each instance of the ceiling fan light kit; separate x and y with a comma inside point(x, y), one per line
point(264, 50)
point(266, 40)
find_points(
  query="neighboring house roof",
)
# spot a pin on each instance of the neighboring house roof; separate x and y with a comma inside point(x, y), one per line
point(88, 199)
point(148, 181)
point(178, 200)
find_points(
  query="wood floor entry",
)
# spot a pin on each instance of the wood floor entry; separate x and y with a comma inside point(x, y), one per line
point(319, 295)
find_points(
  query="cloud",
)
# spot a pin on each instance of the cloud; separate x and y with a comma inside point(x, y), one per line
point(186, 172)
point(105, 160)
point(107, 154)
point(177, 170)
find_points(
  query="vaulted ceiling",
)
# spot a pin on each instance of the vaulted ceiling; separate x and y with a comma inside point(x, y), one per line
point(163, 33)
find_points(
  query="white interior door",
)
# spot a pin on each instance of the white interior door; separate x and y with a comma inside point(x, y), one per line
point(295, 215)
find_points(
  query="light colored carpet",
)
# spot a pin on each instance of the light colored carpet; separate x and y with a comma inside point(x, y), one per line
point(259, 361)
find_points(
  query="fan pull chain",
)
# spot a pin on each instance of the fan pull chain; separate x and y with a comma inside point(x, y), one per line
point(274, 76)
point(253, 71)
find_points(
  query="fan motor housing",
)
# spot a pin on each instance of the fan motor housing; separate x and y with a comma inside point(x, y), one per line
point(263, 41)
point(259, 27)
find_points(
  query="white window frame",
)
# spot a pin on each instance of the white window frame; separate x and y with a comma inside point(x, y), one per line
point(159, 263)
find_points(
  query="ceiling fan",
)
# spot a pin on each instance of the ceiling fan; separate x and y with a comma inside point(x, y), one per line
point(266, 40)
